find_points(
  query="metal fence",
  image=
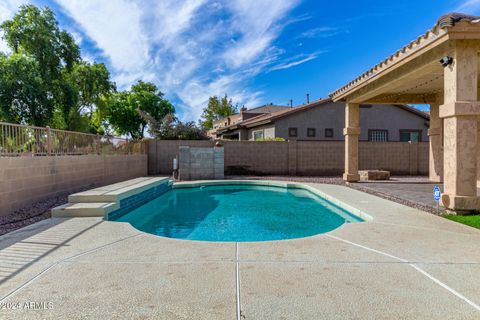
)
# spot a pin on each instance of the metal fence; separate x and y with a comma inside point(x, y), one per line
point(22, 140)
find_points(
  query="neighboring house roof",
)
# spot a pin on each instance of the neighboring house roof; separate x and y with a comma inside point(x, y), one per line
point(272, 117)
point(250, 113)
point(268, 108)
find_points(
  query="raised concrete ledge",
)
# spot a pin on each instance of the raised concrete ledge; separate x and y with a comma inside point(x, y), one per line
point(356, 212)
point(101, 201)
point(117, 191)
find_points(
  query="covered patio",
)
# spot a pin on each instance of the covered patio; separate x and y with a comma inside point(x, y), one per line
point(439, 68)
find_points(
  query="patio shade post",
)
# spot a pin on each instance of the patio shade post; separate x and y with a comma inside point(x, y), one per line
point(351, 133)
point(436, 145)
point(460, 112)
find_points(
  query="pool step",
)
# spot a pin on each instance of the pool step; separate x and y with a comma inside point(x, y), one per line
point(84, 209)
point(101, 201)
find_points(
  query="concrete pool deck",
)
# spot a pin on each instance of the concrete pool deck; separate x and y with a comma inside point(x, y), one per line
point(404, 263)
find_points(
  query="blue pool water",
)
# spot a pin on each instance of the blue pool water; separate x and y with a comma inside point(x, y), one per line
point(237, 213)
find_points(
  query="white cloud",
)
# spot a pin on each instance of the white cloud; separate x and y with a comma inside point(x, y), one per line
point(469, 6)
point(257, 24)
point(192, 49)
point(288, 65)
point(116, 28)
point(321, 32)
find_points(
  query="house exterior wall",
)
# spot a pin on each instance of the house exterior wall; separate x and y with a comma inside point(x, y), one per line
point(268, 132)
point(332, 116)
point(393, 118)
point(328, 115)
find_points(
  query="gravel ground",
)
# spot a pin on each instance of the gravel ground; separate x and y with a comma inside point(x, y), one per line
point(33, 213)
point(41, 210)
point(327, 180)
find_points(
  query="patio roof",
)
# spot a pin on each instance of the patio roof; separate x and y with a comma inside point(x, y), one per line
point(413, 74)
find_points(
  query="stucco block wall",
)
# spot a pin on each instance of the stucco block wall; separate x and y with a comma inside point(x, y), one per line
point(26, 180)
point(320, 158)
point(161, 153)
point(300, 157)
point(265, 157)
point(396, 157)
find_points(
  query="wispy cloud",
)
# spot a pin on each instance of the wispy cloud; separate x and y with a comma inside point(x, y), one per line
point(192, 49)
point(322, 32)
point(469, 6)
point(295, 61)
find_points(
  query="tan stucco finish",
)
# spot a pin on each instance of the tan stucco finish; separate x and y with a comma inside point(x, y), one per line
point(351, 133)
point(435, 134)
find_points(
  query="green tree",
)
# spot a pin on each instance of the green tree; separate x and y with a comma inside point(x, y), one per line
point(23, 93)
point(122, 113)
point(81, 92)
point(55, 86)
point(35, 33)
point(170, 128)
point(217, 108)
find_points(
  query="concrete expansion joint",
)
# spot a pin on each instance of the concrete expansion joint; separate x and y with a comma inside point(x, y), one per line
point(414, 266)
point(237, 282)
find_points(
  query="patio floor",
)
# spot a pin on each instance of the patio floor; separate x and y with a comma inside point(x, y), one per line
point(405, 264)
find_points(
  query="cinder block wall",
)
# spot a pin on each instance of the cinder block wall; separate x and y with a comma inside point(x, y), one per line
point(299, 157)
point(26, 180)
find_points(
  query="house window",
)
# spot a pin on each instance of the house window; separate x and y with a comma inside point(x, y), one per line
point(311, 132)
point(257, 135)
point(329, 133)
point(411, 135)
point(292, 132)
point(378, 135)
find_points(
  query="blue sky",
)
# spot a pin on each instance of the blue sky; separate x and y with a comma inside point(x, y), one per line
point(256, 51)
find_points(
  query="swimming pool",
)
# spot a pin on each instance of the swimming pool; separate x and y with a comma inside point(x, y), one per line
point(237, 213)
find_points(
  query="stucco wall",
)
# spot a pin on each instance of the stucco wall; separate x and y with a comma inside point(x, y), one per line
point(299, 157)
point(332, 115)
point(268, 132)
point(26, 180)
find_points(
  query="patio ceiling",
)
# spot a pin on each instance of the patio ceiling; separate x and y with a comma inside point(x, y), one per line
point(414, 73)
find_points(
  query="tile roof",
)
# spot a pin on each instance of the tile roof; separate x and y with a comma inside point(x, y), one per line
point(271, 117)
point(446, 21)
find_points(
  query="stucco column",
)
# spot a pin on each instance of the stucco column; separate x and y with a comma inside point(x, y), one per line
point(460, 112)
point(351, 133)
point(435, 169)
